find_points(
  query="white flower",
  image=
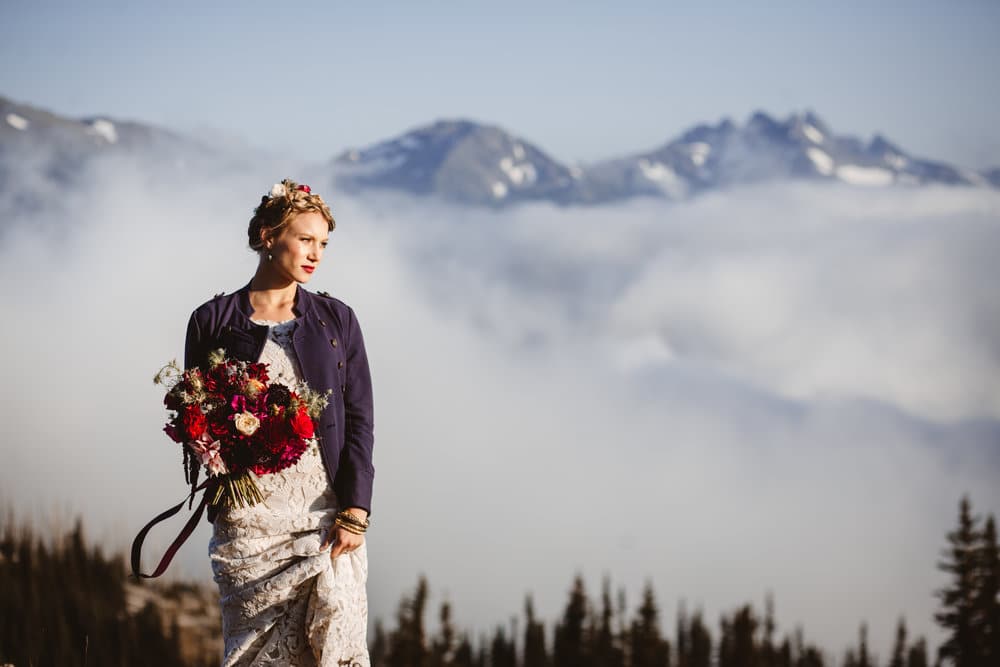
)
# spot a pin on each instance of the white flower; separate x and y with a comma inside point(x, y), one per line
point(278, 190)
point(246, 423)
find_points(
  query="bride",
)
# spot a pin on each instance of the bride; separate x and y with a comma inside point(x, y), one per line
point(292, 570)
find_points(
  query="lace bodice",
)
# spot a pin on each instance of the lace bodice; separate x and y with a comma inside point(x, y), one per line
point(279, 353)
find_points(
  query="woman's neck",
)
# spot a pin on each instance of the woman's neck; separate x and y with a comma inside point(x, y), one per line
point(272, 297)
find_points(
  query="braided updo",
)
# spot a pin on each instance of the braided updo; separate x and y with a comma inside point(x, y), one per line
point(274, 212)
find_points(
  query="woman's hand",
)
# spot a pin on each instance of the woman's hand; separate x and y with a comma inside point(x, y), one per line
point(343, 540)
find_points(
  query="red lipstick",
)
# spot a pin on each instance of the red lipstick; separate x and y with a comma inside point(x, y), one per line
point(308, 269)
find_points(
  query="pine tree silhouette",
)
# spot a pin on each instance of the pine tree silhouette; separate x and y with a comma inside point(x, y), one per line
point(443, 645)
point(988, 593)
point(535, 653)
point(379, 650)
point(917, 655)
point(899, 648)
point(861, 658)
point(606, 649)
point(407, 644)
point(502, 650)
point(769, 655)
point(464, 655)
point(694, 642)
point(959, 600)
point(569, 649)
point(737, 646)
point(648, 647)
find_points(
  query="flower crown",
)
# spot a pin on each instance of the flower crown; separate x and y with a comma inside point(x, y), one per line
point(280, 190)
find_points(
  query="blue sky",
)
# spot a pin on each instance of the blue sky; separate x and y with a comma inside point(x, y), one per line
point(582, 80)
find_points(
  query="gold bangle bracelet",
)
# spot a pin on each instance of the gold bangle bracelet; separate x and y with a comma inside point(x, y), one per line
point(351, 529)
point(351, 518)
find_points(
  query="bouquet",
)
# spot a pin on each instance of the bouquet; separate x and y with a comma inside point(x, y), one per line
point(231, 421)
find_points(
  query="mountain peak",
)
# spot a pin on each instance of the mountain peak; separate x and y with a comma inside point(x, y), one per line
point(463, 160)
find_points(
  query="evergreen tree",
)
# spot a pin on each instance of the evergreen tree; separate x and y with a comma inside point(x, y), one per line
point(904, 656)
point(502, 650)
point(988, 594)
point(899, 648)
point(483, 654)
point(737, 645)
point(694, 641)
point(569, 649)
point(380, 646)
point(648, 647)
point(681, 635)
point(783, 655)
point(805, 656)
point(768, 652)
point(443, 645)
point(464, 655)
point(959, 599)
point(860, 659)
point(917, 655)
point(407, 646)
point(605, 649)
point(621, 628)
point(535, 653)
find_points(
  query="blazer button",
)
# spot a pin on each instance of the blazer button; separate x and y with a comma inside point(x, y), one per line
point(322, 323)
point(340, 364)
point(333, 341)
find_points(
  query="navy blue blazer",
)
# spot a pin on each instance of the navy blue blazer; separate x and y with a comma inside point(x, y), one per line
point(331, 353)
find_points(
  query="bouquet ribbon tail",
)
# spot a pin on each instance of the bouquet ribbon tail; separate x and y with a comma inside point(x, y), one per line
point(179, 540)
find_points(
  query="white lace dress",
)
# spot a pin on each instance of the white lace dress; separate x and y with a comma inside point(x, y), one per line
point(284, 601)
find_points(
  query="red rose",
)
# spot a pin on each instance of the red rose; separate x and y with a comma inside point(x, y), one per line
point(194, 421)
point(302, 424)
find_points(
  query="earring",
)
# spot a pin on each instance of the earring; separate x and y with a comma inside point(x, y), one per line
point(269, 257)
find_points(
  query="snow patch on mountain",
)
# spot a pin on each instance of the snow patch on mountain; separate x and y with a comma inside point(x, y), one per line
point(664, 177)
point(812, 134)
point(821, 160)
point(104, 129)
point(699, 151)
point(518, 173)
point(866, 176)
point(897, 161)
point(17, 122)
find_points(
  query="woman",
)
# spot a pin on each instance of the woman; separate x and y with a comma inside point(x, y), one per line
point(292, 570)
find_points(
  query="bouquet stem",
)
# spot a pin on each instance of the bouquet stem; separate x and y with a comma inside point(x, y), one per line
point(238, 491)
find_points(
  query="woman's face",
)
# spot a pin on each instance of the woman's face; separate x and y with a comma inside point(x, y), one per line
point(297, 250)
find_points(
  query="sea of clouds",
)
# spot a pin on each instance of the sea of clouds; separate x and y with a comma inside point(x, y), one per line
point(780, 388)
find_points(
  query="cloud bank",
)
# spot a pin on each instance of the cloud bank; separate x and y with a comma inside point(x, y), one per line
point(781, 388)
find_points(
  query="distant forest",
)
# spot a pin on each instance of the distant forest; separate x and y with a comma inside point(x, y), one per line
point(64, 602)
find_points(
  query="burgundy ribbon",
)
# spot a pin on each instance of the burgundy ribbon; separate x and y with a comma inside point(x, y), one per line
point(180, 539)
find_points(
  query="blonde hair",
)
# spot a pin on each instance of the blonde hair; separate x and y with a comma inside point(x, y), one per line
point(274, 212)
